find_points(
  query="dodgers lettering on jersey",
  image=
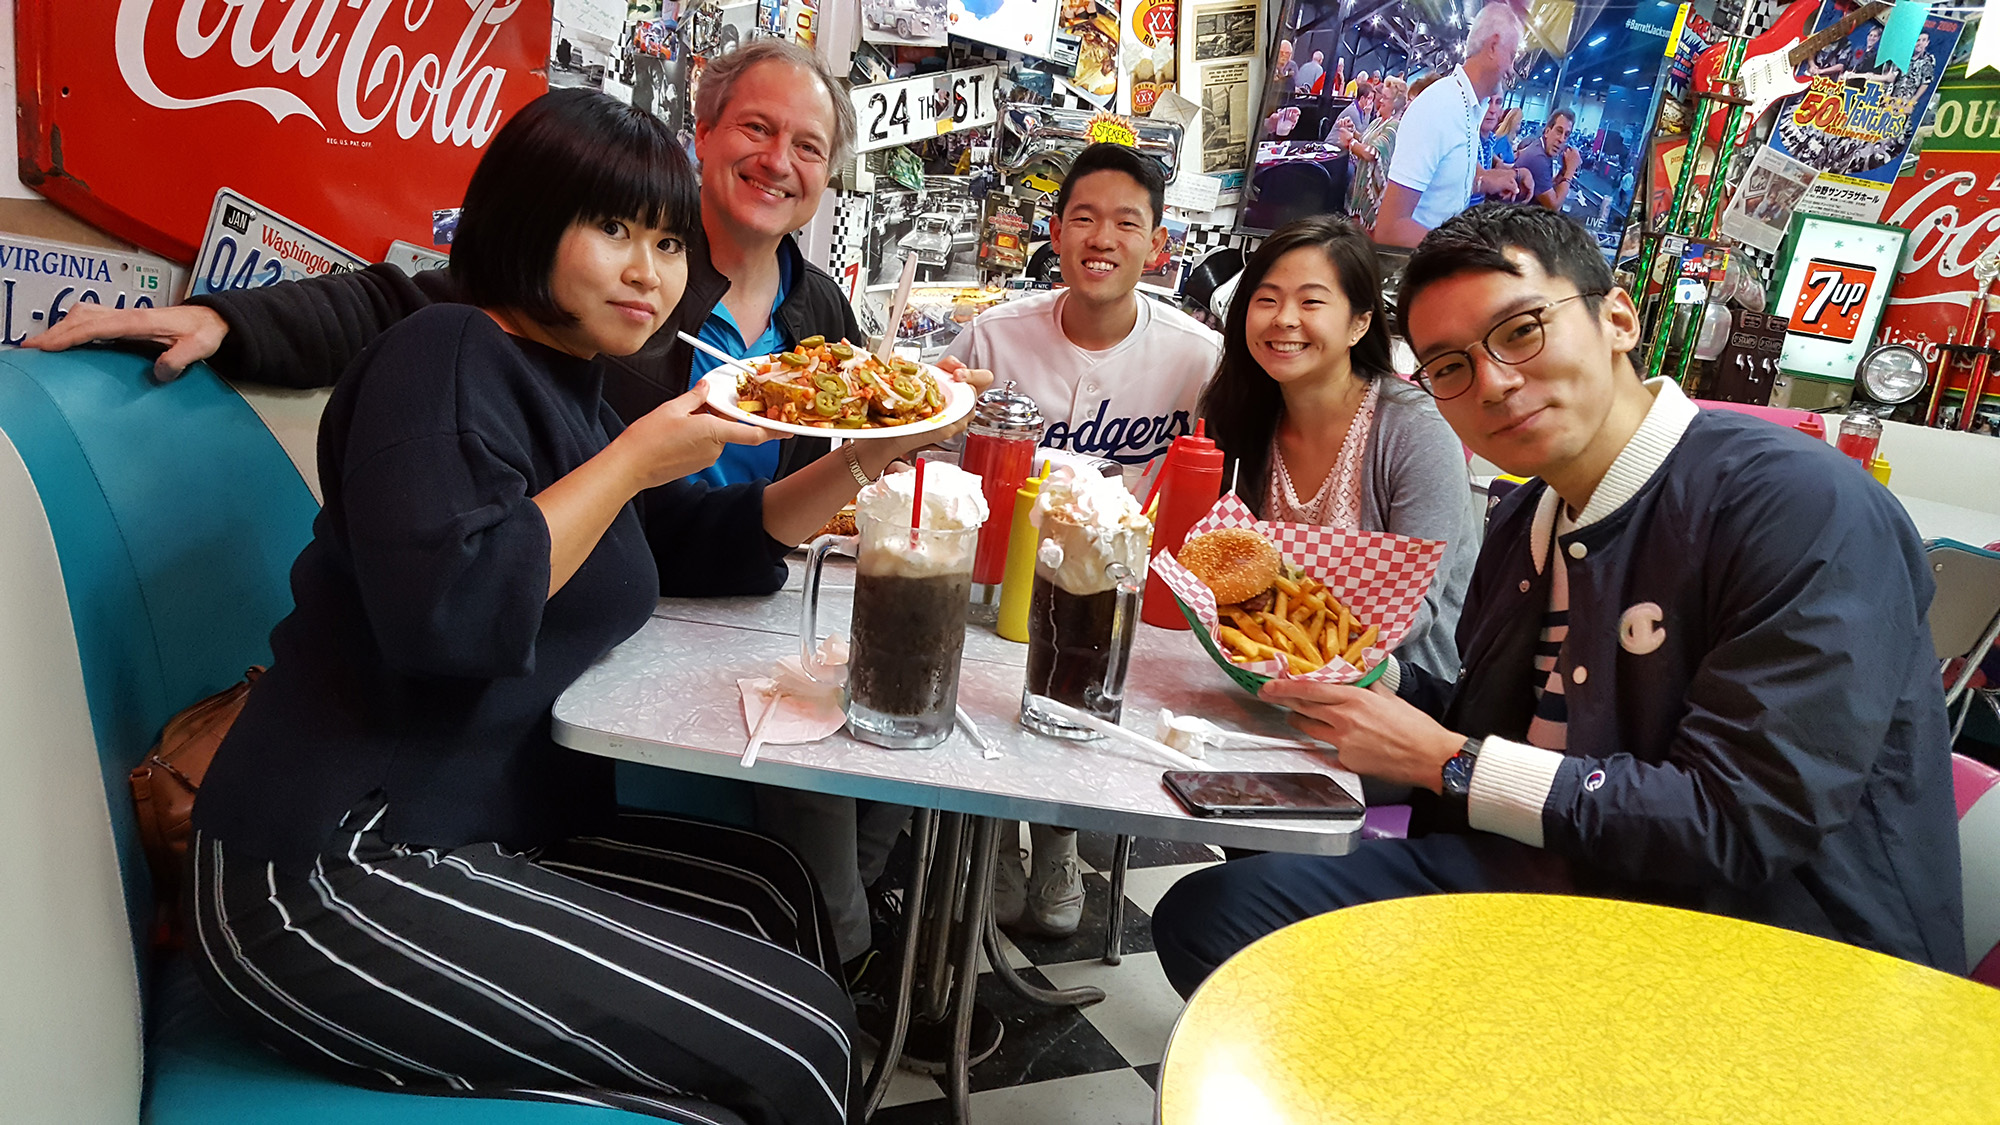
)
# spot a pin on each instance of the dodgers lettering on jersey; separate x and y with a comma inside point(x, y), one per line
point(1128, 441)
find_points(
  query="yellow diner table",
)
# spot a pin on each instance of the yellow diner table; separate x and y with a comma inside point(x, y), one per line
point(1503, 1008)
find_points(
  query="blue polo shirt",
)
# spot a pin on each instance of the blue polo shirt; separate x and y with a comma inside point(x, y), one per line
point(741, 463)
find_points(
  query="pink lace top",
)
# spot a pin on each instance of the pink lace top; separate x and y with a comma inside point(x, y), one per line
point(1338, 501)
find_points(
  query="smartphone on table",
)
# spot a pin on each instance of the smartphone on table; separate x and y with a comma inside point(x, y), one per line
point(1263, 794)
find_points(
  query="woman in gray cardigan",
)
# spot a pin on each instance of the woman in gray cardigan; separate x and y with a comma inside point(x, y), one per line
point(1321, 429)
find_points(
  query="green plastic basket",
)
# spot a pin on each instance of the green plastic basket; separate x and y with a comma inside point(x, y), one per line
point(1247, 680)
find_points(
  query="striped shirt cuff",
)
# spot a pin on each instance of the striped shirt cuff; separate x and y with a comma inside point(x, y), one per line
point(1392, 676)
point(1510, 787)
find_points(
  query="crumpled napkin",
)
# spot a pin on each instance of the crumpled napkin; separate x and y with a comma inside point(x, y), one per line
point(790, 707)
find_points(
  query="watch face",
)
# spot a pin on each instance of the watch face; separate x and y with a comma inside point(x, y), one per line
point(1458, 774)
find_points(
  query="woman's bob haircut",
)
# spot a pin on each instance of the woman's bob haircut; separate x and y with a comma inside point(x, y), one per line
point(568, 157)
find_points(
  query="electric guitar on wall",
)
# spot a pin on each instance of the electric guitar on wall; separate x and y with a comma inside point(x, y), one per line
point(1771, 61)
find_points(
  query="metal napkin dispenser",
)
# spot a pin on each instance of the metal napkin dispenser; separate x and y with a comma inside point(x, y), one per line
point(1031, 132)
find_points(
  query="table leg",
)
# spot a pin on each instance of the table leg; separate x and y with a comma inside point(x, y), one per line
point(1047, 998)
point(1114, 935)
point(946, 866)
point(978, 915)
point(924, 827)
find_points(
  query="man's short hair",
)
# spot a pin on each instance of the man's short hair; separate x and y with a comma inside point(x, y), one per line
point(1493, 21)
point(720, 75)
point(1108, 157)
point(1477, 241)
point(570, 156)
point(1569, 113)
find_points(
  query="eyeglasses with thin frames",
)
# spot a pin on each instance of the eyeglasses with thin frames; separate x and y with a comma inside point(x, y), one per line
point(1515, 339)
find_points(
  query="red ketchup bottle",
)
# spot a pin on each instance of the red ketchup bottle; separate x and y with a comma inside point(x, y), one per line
point(1190, 484)
point(1000, 448)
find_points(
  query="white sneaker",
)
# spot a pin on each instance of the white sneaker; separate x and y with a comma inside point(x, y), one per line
point(1010, 879)
point(1055, 887)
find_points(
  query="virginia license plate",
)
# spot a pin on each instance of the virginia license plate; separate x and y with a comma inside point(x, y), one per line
point(41, 281)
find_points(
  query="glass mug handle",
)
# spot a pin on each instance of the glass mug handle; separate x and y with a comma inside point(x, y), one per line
point(1124, 612)
point(809, 604)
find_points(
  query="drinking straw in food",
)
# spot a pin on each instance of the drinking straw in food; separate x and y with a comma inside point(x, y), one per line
point(1233, 470)
point(883, 350)
point(714, 352)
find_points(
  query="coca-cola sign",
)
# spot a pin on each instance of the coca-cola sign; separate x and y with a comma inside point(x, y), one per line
point(1951, 207)
point(358, 118)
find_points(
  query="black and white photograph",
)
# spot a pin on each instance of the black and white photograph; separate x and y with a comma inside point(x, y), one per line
point(711, 30)
point(913, 23)
point(652, 70)
point(1223, 33)
point(939, 226)
point(583, 41)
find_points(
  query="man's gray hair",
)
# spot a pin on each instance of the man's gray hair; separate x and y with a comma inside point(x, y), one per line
point(720, 75)
point(1493, 21)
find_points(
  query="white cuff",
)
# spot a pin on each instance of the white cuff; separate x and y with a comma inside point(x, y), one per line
point(1392, 676)
point(1510, 786)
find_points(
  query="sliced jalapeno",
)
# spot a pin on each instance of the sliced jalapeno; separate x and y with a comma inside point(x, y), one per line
point(841, 351)
point(812, 341)
point(828, 381)
point(793, 359)
point(906, 385)
point(826, 404)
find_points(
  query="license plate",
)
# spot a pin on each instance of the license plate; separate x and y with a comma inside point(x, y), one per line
point(413, 259)
point(249, 246)
point(41, 281)
point(929, 105)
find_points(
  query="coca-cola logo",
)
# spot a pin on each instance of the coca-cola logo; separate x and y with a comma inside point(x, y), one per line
point(252, 43)
point(1942, 241)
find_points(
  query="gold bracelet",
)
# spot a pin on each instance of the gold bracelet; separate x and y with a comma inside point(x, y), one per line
point(853, 459)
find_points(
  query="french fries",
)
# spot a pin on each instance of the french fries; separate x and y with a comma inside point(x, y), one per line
point(1306, 626)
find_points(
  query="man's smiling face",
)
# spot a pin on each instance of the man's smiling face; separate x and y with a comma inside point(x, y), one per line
point(765, 161)
point(1105, 235)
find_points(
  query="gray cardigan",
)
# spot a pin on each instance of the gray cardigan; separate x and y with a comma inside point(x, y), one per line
point(1418, 485)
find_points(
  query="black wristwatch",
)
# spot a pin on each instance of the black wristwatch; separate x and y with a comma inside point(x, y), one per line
point(1458, 768)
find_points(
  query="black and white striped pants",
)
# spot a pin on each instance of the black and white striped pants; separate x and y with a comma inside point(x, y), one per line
point(668, 967)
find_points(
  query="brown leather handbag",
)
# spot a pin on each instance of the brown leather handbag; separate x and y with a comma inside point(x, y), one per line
point(164, 785)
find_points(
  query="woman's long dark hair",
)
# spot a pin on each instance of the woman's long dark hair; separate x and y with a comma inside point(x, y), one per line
point(1242, 402)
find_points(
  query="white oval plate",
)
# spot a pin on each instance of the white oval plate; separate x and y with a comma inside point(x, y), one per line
point(720, 388)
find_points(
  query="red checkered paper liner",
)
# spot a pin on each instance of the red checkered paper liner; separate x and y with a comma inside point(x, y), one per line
point(1381, 577)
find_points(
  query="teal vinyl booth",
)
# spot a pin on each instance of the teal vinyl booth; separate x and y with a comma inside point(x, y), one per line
point(146, 536)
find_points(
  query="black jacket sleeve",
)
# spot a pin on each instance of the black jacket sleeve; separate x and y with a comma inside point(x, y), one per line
point(305, 333)
point(711, 542)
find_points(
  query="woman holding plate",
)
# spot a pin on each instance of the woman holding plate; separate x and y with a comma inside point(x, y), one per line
point(397, 874)
point(1322, 431)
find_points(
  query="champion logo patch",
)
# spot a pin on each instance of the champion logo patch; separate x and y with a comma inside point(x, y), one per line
point(1594, 782)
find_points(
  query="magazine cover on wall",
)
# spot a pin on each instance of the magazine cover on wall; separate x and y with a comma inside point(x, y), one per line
point(1028, 26)
point(1397, 115)
point(1858, 118)
point(1094, 27)
point(939, 225)
point(1219, 58)
point(652, 67)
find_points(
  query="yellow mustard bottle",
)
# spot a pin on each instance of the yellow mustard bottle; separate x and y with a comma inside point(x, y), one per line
point(1017, 584)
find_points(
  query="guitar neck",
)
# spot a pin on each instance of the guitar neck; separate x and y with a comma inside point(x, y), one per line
point(1839, 30)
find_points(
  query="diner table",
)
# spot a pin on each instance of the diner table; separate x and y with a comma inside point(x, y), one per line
point(668, 696)
point(1506, 1008)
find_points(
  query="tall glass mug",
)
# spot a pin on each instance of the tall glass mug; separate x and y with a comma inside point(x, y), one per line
point(1090, 575)
point(911, 590)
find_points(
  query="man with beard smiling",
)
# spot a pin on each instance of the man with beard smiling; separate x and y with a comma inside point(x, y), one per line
point(1696, 665)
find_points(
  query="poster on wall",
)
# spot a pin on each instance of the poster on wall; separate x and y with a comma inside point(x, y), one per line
point(583, 41)
point(1225, 115)
point(1027, 26)
point(1094, 26)
point(1761, 207)
point(1148, 62)
point(939, 226)
point(1216, 37)
point(904, 23)
point(1833, 287)
point(1952, 211)
point(1584, 80)
point(1858, 118)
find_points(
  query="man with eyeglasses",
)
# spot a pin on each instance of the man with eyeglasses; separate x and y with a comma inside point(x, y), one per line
point(1696, 664)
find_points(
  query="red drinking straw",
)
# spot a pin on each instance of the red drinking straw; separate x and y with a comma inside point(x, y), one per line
point(917, 509)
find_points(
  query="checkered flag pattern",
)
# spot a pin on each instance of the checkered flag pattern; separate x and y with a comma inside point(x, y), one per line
point(1381, 577)
point(1204, 239)
point(851, 212)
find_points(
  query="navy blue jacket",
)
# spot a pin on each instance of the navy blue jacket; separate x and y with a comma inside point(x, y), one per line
point(1782, 756)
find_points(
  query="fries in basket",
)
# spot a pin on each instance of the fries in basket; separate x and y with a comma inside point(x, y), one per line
point(1274, 610)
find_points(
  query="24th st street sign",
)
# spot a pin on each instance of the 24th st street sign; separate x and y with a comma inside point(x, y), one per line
point(356, 118)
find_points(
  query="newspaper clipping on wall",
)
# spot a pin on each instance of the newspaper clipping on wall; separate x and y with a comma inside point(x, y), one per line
point(1219, 57)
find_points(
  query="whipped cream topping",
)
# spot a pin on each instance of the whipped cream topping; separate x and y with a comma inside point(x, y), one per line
point(1095, 527)
point(954, 511)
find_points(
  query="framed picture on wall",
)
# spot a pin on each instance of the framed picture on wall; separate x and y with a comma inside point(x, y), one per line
point(1836, 277)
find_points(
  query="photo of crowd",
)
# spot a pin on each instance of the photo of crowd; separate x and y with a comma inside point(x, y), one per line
point(1400, 119)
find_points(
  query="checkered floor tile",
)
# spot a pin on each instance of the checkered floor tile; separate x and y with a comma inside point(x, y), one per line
point(1060, 1065)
